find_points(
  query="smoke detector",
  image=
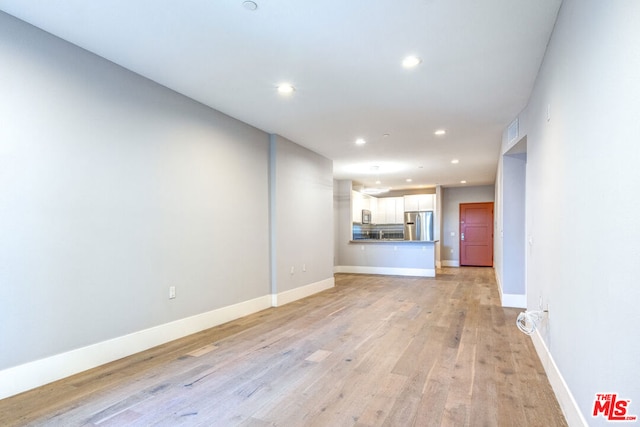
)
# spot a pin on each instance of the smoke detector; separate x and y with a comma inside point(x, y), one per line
point(250, 5)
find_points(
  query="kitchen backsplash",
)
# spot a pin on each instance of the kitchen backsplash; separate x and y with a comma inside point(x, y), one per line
point(378, 231)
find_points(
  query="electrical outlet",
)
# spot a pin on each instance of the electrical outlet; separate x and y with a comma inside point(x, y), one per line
point(172, 292)
point(540, 303)
point(293, 270)
point(304, 267)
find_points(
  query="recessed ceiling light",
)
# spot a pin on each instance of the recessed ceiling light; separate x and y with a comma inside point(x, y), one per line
point(286, 89)
point(385, 135)
point(463, 182)
point(360, 141)
point(409, 180)
point(455, 161)
point(440, 132)
point(378, 182)
point(411, 61)
point(250, 5)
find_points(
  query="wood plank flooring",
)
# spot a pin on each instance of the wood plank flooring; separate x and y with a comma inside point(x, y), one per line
point(373, 351)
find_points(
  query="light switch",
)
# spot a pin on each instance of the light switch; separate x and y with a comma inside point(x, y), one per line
point(453, 233)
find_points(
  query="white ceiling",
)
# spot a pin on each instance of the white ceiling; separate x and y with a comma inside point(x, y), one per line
point(479, 62)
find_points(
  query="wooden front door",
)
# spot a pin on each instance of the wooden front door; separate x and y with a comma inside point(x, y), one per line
point(476, 234)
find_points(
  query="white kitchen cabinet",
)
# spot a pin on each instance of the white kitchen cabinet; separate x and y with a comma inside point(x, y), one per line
point(390, 210)
point(410, 203)
point(381, 212)
point(419, 202)
point(399, 217)
point(427, 202)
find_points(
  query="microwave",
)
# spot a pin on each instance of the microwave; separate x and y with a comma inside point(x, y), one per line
point(366, 216)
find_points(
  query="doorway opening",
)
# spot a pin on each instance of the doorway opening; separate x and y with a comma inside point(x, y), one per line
point(514, 228)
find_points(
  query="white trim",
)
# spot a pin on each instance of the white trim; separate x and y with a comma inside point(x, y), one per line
point(498, 281)
point(389, 271)
point(513, 300)
point(302, 292)
point(568, 404)
point(450, 263)
point(40, 372)
point(510, 300)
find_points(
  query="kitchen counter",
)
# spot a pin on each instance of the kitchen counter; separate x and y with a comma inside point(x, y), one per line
point(392, 241)
point(396, 257)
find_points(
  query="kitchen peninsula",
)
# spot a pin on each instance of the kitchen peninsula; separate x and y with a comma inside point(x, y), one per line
point(392, 257)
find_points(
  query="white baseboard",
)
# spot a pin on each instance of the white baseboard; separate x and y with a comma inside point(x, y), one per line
point(44, 371)
point(450, 263)
point(302, 292)
point(40, 372)
point(389, 271)
point(510, 300)
point(568, 404)
point(513, 300)
point(498, 281)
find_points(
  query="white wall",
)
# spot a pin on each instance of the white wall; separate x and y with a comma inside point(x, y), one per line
point(112, 189)
point(343, 227)
point(452, 197)
point(302, 188)
point(582, 181)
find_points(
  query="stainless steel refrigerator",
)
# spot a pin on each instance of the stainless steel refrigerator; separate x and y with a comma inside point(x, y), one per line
point(418, 225)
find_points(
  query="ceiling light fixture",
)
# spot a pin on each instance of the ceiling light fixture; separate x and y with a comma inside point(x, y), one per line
point(411, 61)
point(463, 182)
point(440, 132)
point(374, 191)
point(409, 180)
point(286, 89)
point(361, 141)
point(455, 161)
point(250, 5)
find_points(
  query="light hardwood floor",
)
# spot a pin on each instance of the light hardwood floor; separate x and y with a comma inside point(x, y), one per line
point(373, 351)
